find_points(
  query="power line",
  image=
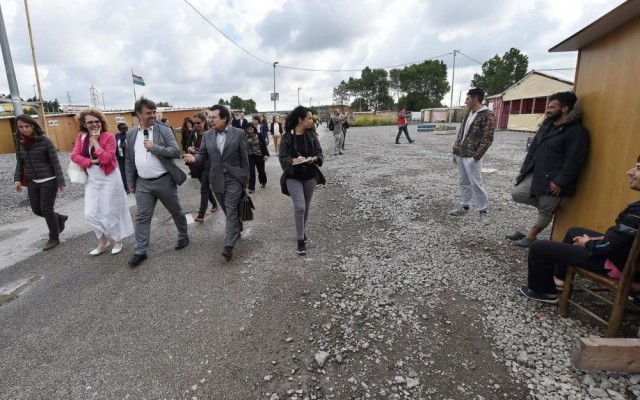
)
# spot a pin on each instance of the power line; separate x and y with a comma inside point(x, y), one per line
point(476, 61)
point(223, 34)
point(301, 68)
point(284, 81)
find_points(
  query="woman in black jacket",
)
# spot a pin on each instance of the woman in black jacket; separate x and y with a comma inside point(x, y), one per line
point(258, 154)
point(37, 162)
point(201, 171)
point(300, 155)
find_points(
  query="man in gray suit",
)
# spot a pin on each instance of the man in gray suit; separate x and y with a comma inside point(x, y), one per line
point(152, 175)
point(225, 147)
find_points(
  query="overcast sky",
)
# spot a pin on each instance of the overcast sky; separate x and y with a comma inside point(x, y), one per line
point(186, 62)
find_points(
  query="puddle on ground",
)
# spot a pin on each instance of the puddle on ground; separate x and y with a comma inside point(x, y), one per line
point(13, 290)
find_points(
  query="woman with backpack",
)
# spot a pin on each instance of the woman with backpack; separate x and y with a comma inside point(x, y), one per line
point(300, 156)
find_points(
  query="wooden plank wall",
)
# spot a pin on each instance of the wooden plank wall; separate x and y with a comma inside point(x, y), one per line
point(607, 86)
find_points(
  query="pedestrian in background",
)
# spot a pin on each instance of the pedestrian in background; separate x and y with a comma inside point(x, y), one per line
point(300, 156)
point(187, 128)
point(201, 171)
point(337, 120)
point(276, 133)
point(258, 154)
point(38, 164)
point(259, 128)
point(106, 208)
point(121, 145)
point(402, 122)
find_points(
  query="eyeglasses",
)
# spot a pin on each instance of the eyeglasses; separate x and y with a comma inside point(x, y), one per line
point(93, 123)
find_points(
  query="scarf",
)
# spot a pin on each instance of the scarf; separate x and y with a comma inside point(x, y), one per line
point(27, 141)
point(86, 152)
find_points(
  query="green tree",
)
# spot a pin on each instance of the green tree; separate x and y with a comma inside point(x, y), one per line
point(342, 93)
point(424, 85)
point(223, 102)
point(249, 106)
point(360, 104)
point(394, 82)
point(500, 73)
point(163, 104)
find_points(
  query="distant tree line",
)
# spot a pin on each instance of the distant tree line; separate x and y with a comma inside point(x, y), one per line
point(238, 103)
point(424, 85)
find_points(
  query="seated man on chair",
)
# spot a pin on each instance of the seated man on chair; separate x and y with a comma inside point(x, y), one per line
point(604, 254)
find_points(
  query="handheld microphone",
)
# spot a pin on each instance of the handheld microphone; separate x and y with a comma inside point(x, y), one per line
point(146, 135)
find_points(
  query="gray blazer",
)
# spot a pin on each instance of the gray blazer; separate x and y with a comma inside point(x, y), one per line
point(165, 147)
point(234, 159)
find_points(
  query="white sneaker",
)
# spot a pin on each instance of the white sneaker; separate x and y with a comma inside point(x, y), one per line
point(484, 219)
point(458, 211)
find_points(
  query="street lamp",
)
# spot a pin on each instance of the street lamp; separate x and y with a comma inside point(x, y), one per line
point(310, 101)
point(274, 86)
point(35, 96)
point(299, 95)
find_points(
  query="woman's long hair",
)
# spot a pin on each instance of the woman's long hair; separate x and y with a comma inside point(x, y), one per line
point(29, 120)
point(294, 118)
point(184, 125)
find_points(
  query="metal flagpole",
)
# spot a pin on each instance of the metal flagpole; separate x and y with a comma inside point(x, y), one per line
point(135, 98)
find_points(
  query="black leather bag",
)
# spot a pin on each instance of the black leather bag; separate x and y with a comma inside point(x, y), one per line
point(246, 207)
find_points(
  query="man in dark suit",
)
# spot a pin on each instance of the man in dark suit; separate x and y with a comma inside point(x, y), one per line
point(152, 175)
point(240, 121)
point(225, 148)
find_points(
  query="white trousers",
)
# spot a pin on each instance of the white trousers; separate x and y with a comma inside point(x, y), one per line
point(470, 183)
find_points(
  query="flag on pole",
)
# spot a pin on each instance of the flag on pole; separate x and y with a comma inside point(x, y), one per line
point(137, 80)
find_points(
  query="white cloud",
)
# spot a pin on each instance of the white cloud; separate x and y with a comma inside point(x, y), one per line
point(188, 63)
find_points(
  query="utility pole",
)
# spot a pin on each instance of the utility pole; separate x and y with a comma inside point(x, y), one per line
point(299, 95)
point(8, 66)
point(68, 98)
point(310, 101)
point(93, 96)
point(274, 86)
point(35, 67)
point(103, 106)
point(453, 77)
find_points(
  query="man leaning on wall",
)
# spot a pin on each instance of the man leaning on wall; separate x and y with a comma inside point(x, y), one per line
point(552, 165)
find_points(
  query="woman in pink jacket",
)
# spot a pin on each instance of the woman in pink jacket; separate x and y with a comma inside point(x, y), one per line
point(106, 208)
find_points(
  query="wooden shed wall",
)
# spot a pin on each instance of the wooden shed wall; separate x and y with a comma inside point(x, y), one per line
point(607, 85)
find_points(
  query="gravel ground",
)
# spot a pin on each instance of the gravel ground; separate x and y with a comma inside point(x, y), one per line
point(402, 301)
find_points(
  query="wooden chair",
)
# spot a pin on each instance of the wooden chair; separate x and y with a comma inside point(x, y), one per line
point(623, 288)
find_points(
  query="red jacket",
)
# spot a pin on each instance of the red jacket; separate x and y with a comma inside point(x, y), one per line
point(106, 153)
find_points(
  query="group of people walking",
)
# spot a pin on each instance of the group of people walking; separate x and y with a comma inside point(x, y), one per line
point(142, 161)
point(224, 155)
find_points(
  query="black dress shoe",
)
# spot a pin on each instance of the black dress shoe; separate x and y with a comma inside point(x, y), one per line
point(227, 252)
point(137, 259)
point(61, 220)
point(182, 243)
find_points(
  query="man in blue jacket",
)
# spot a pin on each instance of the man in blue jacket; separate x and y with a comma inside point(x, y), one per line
point(553, 163)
